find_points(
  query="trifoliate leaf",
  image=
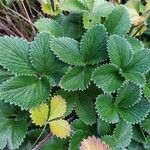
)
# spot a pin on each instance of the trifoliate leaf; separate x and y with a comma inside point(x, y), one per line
point(118, 22)
point(25, 91)
point(85, 108)
point(122, 134)
point(128, 95)
point(60, 128)
point(102, 8)
point(72, 5)
point(93, 143)
point(77, 78)
point(107, 77)
point(39, 114)
point(135, 43)
point(14, 55)
point(49, 25)
point(106, 109)
point(76, 139)
point(57, 107)
point(54, 144)
point(67, 50)
point(41, 55)
point(12, 133)
point(5, 75)
point(93, 45)
point(140, 62)
point(136, 113)
point(119, 50)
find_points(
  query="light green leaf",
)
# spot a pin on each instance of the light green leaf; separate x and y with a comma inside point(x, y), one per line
point(85, 108)
point(93, 45)
point(107, 77)
point(41, 55)
point(25, 91)
point(72, 5)
point(119, 50)
point(128, 95)
point(118, 22)
point(5, 75)
point(14, 55)
point(140, 62)
point(87, 3)
point(135, 43)
point(50, 26)
point(136, 113)
point(106, 109)
point(67, 50)
point(77, 78)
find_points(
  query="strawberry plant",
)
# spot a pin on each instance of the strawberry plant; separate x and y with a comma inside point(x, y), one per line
point(83, 83)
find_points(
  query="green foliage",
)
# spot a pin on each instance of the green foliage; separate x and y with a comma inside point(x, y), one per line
point(89, 57)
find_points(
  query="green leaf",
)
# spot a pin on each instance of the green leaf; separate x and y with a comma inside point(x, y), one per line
point(25, 91)
point(103, 128)
point(67, 50)
point(146, 88)
point(72, 5)
point(54, 144)
point(106, 109)
point(102, 8)
point(76, 139)
point(41, 55)
point(135, 43)
point(118, 22)
point(87, 3)
point(147, 143)
point(119, 50)
point(93, 45)
point(12, 133)
point(5, 75)
point(135, 146)
point(110, 140)
point(136, 113)
point(107, 77)
point(77, 78)
point(85, 108)
point(140, 62)
point(14, 55)
point(146, 125)
point(128, 95)
point(50, 26)
point(122, 134)
point(138, 134)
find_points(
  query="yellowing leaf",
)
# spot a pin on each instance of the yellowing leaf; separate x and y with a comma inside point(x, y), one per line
point(57, 107)
point(60, 128)
point(39, 114)
point(93, 143)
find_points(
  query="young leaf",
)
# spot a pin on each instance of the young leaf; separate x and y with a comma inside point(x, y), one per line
point(67, 50)
point(93, 45)
point(14, 55)
point(87, 3)
point(25, 91)
point(120, 51)
point(128, 95)
point(50, 26)
point(77, 78)
point(57, 107)
point(118, 22)
point(41, 55)
point(85, 108)
point(60, 128)
point(106, 109)
point(39, 114)
point(107, 77)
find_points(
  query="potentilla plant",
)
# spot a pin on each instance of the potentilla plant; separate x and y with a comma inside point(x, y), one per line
point(83, 83)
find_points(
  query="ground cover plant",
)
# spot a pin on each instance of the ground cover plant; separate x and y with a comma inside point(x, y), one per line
point(82, 83)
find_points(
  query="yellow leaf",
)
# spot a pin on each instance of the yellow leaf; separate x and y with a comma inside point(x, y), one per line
point(57, 107)
point(60, 128)
point(93, 143)
point(39, 114)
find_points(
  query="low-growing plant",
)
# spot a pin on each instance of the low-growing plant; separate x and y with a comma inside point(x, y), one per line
point(83, 83)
